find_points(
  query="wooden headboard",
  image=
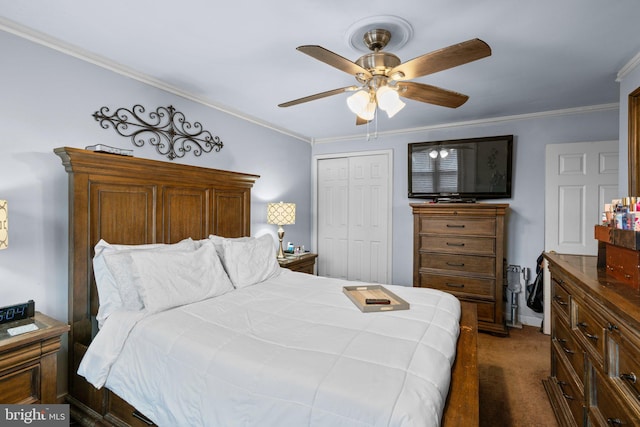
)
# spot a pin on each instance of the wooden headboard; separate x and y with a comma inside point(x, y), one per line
point(128, 200)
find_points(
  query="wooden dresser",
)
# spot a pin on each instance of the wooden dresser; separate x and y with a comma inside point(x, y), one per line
point(595, 345)
point(459, 248)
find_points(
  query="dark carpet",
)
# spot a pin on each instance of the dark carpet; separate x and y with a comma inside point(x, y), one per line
point(511, 371)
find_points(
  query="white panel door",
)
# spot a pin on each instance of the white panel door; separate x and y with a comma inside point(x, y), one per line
point(354, 216)
point(579, 179)
point(368, 218)
point(333, 217)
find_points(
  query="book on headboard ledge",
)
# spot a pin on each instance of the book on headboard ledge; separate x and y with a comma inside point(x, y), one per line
point(101, 148)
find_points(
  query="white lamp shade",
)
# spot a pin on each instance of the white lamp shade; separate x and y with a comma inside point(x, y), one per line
point(397, 107)
point(433, 154)
point(361, 104)
point(389, 100)
point(369, 111)
point(358, 103)
point(386, 97)
point(281, 213)
point(4, 224)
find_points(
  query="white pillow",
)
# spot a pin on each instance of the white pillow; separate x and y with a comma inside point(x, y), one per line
point(218, 242)
point(120, 266)
point(250, 261)
point(170, 279)
point(109, 295)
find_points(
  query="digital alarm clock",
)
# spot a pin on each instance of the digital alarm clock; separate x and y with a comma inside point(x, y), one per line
point(11, 313)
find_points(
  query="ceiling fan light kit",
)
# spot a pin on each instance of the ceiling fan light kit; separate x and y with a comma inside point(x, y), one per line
point(389, 100)
point(383, 76)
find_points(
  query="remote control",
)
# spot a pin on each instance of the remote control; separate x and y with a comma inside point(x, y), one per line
point(377, 301)
point(29, 327)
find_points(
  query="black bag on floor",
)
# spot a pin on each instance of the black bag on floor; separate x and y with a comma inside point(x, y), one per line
point(535, 291)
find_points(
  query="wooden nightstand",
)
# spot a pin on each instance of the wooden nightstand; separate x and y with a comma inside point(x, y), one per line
point(303, 263)
point(28, 362)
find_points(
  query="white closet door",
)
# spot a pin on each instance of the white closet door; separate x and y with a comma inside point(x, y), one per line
point(353, 217)
point(368, 218)
point(333, 217)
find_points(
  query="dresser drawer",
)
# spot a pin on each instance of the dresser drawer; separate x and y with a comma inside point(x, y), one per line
point(628, 368)
point(21, 386)
point(458, 244)
point(570, 391)
point(486, 311)
point(458, 225)
point(459, 285)
point(623, 264)
point(565, 344)
point(591, 329)
point(484, 266)
point(123, 412)
point(559, 296)
point(605, 407)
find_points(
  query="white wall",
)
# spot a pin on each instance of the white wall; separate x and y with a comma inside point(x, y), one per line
point(525, 235)
point(46, 101)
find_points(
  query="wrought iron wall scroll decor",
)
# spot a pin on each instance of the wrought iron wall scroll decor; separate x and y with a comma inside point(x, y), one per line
point(166, 129)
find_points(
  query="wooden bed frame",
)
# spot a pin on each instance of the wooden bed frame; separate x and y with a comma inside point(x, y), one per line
point(129, 200)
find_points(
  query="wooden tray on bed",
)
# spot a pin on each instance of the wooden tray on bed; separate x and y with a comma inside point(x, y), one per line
point(358, 295)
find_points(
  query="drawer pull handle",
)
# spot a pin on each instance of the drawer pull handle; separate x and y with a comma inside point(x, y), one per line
point(629, 377)
point(566, 396)
point(614, 421)
point(455, 264)
point(455, 244)
point(559, 300)
point(611, 326)
point(455, 285)
point(455, 225)
point(566, 350)
point(591, 337)
point(627, 276)
point(583, 324)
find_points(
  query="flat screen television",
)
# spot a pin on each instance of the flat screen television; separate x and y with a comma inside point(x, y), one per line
point(461, 169)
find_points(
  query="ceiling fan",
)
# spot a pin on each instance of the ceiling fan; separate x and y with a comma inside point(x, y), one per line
point(382, 77)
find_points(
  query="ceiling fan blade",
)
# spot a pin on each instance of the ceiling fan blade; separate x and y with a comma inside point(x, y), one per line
point(335, 60)
point(441, 59)
point(431, 94)
point(318, 96)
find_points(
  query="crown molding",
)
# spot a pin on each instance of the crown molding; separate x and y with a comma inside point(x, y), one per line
point(628, 67)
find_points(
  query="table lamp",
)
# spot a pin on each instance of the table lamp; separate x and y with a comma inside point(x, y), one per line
point(281, 214)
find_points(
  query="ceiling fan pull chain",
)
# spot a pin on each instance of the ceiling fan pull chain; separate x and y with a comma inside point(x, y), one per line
point(375, 125)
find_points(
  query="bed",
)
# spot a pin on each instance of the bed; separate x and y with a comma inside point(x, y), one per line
point(130, 201)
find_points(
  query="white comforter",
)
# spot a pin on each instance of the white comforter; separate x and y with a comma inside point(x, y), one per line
point(290, 351)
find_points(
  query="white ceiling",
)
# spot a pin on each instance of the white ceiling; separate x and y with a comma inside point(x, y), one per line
point(241, 57)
